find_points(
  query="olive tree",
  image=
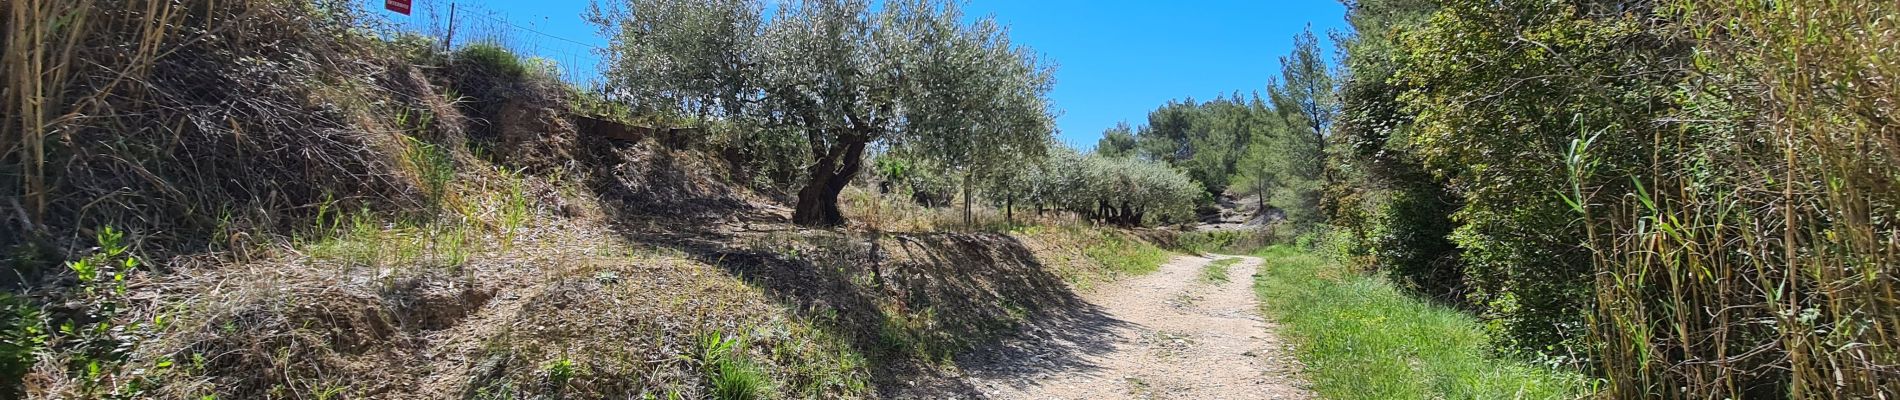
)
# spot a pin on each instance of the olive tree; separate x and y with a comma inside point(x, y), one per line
point(693, 57)
point(1118, 190)
point(848, 75)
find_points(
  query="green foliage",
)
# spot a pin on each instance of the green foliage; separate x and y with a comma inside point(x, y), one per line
point(1123, 191)
point(1119, 141)
point(559, 371)
point(94, 338)
point(23, 334)
point(1761, 231)
point(1294, 161)
point(1240, 241)
point(769, 159)
point(491, 60)
point(1408, 234)
point(922, 179)
point(732, 374)
point(1491, 133)
point(416, 48)
point(1125, 255)
point(686, 57)
point(842, 75)
point(1274, 151)
point(1362, 338)
point(1205, 140)
point(1641, 188)
point(431, 163)
point(1397, 213)
point(1265, 162)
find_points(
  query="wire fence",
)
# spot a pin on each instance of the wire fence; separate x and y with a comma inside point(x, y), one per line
point(455, 25)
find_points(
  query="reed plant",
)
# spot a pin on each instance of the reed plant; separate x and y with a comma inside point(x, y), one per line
point(1758, 257)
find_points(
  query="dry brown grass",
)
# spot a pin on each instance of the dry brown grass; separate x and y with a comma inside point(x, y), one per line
point(184, 121)
point(620, 320)
point(867, 209)
point(321, 229)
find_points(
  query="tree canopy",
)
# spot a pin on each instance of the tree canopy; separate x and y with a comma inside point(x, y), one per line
point(843, 75)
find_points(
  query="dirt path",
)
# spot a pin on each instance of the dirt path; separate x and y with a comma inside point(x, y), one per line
point(1166, 335)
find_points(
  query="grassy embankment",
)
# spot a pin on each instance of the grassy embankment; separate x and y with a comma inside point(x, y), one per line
point(1361, 338)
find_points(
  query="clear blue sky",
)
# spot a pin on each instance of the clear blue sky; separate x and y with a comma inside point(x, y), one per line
point(1118, 58)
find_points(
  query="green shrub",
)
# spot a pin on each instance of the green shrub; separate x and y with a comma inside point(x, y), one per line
point(491, 59)
point(1408, 238)
point(1493, 131)
point(22, 334)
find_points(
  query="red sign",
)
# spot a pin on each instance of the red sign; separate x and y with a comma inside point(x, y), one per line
point(401, 6)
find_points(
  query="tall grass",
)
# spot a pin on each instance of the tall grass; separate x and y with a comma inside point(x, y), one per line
point(1758, 258)
point(1362, 338)
point(1126, 255)
point(43, 38)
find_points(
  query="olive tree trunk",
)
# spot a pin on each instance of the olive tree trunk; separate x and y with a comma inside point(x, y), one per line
point(818, 201)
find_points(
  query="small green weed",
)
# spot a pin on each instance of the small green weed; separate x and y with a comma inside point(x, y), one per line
point(515, 208)
point(434, 166)
point(559, 371)
point(1215, 272)
point(732, 374)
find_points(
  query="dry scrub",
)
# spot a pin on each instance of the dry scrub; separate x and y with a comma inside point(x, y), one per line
point(313, 211)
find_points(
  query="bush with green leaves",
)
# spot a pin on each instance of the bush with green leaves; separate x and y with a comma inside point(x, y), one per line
point(86, 327)
point(1688, 196)
point(1440, 141)
point(23, 333)
point(492, 60)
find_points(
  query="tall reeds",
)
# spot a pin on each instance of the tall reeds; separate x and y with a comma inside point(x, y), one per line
point(178, 121)
point(1758, 258)
point(50, 55)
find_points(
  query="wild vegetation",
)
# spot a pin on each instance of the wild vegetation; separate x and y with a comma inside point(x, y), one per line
point(1361, 337)
point(1270, 148)
point(1522, 198)
point(277, 199)
point(839, 76)
point(1688, 199)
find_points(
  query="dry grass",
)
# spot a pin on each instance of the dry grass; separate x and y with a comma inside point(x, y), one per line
point(374, 306)
point(97, 135)
point(869, 210)
point(326, 227)
point(571, 311)
point(1086, 257)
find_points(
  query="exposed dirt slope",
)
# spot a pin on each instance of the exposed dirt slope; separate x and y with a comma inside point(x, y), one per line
point(1166, 335)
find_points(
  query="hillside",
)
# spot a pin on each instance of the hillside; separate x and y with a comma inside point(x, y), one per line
point(282, 207)
point(818, 199)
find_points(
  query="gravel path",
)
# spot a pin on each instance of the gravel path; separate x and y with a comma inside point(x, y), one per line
point(1165, 335)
